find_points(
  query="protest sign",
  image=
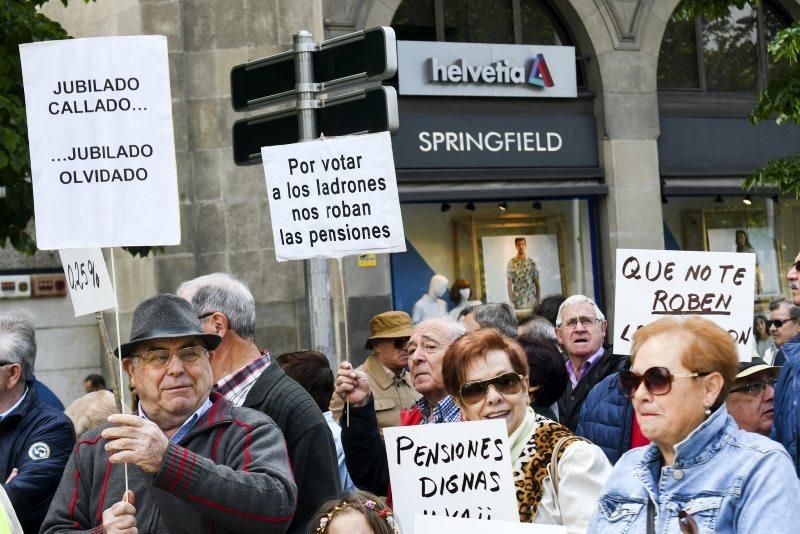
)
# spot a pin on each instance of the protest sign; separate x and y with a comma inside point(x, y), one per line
point(428, 524)
point(452, 470)
point(332, 198)
point(101, 142)
point(652, 284)
point(88, 281)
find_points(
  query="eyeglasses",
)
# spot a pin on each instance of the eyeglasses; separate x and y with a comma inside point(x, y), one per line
point(207, 314)
point(400, 342)
point(160, 358)
point(505, 384)
point(778, 322)
point(755, 388)
point(657, 380)
point(3, 363)
point(796, 266)
point(585, 321)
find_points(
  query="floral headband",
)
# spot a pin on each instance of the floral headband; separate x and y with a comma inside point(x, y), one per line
point(384, 513)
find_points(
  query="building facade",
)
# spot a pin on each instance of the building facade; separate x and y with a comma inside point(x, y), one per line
point(649, 152)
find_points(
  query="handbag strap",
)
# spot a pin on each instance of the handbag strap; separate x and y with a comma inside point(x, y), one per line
point(552, 467)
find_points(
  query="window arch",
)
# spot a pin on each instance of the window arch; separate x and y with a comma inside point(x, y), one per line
point(725, 54)
point(480, 21)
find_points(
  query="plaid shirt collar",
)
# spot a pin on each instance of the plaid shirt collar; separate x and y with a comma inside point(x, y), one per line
point(446, 411)
point(236, 385)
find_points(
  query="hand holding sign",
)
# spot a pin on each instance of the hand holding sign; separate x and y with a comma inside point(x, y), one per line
point(88, 281)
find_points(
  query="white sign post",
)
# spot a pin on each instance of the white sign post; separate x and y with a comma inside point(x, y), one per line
point(452, 470)
point(332, 198)
point(101, 142)
point(652, 284)
point(88, 281)
point(427, 524)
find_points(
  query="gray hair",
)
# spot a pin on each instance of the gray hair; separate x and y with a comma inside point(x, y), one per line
point(497, 315)
point(538, 327)
point(18, 342)
point(777, 303)
point(224, 293)
point(452, 328)
point(578, 299)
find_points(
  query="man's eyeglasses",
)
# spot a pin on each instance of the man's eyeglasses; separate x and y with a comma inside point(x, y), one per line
point(796, 266)
point(755, 388)
point(207, 314)
point(657, 380)
point(585, 321)
point(160, 358)
point(400, 342)
point(778, 322)
point(505, 384)
point(3, 363)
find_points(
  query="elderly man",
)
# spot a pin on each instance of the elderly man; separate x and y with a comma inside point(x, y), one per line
point(195, 463)
point(363, 445)
point(786, 425)
point(581, 329)
point(500, 316)
point(750, 401)
point(390, 383)
point(35, 439)
point(783, 324)
point(246, 377)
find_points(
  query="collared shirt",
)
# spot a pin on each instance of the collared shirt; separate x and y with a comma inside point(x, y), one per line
point(188, 424)
point(584, 368)
point(16, 405)
point(336, 431)
point(236, 385)
point(446, 411)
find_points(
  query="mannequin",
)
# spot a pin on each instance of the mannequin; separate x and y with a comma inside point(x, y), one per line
point(460, 294)
point(430, 305)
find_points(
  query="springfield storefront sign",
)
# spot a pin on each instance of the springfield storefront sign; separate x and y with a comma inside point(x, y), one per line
point(476, 69)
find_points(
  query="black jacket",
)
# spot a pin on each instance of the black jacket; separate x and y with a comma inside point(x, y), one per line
point(312, 452)
point(38, 440)
point(364, 449)
point(569, 405)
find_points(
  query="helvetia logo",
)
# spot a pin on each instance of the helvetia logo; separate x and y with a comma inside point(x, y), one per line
point(540, 74)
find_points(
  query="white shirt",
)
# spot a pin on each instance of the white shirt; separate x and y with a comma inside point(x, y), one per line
point(16, 405)
point(188, 424)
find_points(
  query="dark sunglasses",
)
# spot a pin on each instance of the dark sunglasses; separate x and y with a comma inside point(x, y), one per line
point(778, 322)
point(657, 380)
point(755, 388)
point(400, 342)
point(505, 384)
point(797, 266)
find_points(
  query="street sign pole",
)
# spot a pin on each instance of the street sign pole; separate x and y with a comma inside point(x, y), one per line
point(318, 293)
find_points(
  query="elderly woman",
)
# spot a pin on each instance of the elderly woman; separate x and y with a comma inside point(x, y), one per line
point(487, 374)
point(700, 469)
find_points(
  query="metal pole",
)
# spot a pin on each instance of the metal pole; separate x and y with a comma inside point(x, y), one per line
point(318, 294)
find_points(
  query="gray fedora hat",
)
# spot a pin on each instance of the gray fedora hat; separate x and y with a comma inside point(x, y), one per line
point(166, 316)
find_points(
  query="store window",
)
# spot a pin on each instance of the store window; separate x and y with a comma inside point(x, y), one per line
point(479, 244)
point(724, 54)
point(767, 227)
point(480, 21)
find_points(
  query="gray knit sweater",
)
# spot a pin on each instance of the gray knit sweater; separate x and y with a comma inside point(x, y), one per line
point(230, 473)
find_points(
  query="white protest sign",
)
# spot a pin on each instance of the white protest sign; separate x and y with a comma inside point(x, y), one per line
point(87, 279)
point(334, 197)
point(652, 284)
point(432, 524)
point(452, 470)
point(102, 149)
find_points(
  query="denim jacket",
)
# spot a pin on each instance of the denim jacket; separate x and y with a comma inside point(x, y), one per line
point(729, 480)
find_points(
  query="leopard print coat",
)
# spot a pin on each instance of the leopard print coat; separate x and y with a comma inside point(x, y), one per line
point(530, 469)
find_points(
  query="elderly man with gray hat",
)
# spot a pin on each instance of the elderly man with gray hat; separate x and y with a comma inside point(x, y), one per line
point(389, 381)
point(195, 463)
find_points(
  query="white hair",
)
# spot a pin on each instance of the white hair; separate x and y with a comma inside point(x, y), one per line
point(18, 342)
point(224, 293)
point(579, 299)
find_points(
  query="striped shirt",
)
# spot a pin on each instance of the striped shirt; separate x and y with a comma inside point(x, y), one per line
point(446, 411)
point(236, 385)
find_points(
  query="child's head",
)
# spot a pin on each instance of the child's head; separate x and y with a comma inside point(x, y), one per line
point(357, 513)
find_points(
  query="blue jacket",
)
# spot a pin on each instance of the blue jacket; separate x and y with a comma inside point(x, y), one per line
point(606, 418)
point(729, 480)
point(37, 440)
point(786, 425)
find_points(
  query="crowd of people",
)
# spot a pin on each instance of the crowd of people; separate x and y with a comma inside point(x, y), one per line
point(223, 436)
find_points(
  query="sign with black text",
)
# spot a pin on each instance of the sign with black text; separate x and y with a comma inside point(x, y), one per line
point(101, 142)
point(652, 284)
point(426, 524)
point(87, 279)
point(332, 198)
point(451, 469)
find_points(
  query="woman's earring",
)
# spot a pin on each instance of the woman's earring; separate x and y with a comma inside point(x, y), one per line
point(708, 411)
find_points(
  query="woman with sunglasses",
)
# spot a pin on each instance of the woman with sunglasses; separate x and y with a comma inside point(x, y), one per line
point(700, 468)
point(487, 374)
